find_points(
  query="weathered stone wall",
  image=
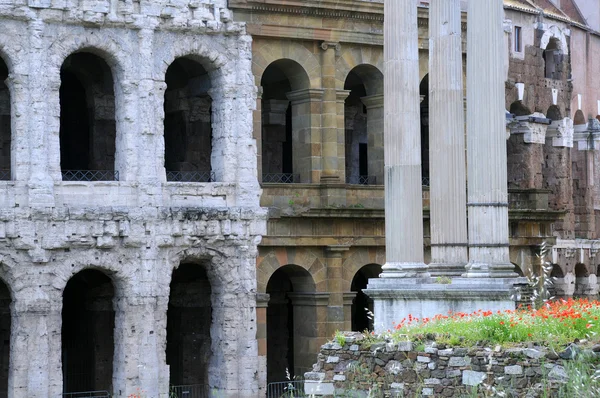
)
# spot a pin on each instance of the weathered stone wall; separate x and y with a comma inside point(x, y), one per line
point(138, 229)
point(411, 369)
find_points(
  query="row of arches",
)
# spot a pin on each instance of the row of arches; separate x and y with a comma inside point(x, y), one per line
point(293, 316)
point(88, 120)
point(88, 330)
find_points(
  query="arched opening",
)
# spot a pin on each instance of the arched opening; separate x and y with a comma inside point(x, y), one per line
point(557, 272)
point(554, 113)
point(5, 325)
point(581, 271)
point(424, 92)
point(189, 318)
point(579, 118)
point(291, 323)
point(363, 113)
point(88, 321)
point(552, 56)
point(362, 305)
point(188, 122)
point(5, 128)
point(285, 119)
point(87, 119)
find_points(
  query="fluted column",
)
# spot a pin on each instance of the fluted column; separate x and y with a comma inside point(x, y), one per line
point(402, 137)
point(329, 115)
point(486, 143)
point(448, 191)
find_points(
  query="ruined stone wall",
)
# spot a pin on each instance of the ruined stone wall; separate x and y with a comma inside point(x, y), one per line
point(138, 229)
point(405, 369)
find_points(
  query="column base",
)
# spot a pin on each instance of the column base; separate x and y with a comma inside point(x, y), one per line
point(418, 271)
point(486, 270)
point(445, 269)
point(395, 299)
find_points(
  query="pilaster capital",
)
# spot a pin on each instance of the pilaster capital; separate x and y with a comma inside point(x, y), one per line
point(326, 45)
point(262, 300)
point(334, 251)
point(305, 95)
point(342, 95)
point(309, 299)
point(373, 101)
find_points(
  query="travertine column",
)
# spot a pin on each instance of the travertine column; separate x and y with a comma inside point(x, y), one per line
point(335, 282)
point(329, 133)
point(402, 149)
point(486, 143)
point(448, 191)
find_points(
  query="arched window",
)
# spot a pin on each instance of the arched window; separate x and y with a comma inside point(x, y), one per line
point(189, 318)
point(88, 322)
point(188, 122)
point(87, 119)
point(553, 60)
point(363, 121)
point(5, 127)
point(285, 136)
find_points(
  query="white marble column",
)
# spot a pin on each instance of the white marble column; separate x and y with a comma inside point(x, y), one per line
point(486, 143)
point(448, 191)
point(402, 149)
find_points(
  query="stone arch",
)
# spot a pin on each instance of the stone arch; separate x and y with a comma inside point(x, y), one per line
point(301, 257)
point(579, 118)
point(357, 259)
point(581, 271)
point(111, 267)
point(557, 271)
point(556, 33)
point(370, 76)
point(267, 54)
point(352, 57)
point(209, 259)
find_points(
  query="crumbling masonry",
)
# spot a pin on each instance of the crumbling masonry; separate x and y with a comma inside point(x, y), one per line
point(130, 216)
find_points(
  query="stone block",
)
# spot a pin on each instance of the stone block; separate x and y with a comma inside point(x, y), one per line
point(513, 370)
point(459, 361)
point(472, 378)
point(316, 388)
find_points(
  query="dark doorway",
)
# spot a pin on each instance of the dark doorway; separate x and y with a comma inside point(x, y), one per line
point(5, 127)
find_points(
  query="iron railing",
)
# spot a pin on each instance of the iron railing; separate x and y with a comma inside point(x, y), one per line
point(280, 178)
point(425, 181)
point(190, 391)
point(190, 176)
point(361, 180)
point(90, 175)
point(286, 389)
point(87, 394)
point(4, 176)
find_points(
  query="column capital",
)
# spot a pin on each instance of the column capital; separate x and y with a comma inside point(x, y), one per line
point(342, 95)
point(309, 299)
point(262, 300)
point(326, 45)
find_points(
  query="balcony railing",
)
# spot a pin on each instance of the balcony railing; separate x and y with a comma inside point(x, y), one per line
point(90, 175)
point(190, 176)
point(361, 180)
point(425, 181)
point(280, 178)
point(189, 391)
point(4, 176)
point(87, 394)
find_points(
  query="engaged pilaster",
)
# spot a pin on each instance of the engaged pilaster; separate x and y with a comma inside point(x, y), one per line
point(402, 149)
point(448, 191)
point(329, 130)
point(486, 145)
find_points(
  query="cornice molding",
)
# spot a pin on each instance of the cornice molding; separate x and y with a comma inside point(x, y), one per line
point(354, 9)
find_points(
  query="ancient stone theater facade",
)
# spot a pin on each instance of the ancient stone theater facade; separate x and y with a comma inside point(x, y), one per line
point(318, 66)
point(129, 201)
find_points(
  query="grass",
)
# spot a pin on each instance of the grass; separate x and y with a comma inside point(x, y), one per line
point(555, 324)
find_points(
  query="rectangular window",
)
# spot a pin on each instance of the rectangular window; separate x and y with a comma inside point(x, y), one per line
point(518, 44)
